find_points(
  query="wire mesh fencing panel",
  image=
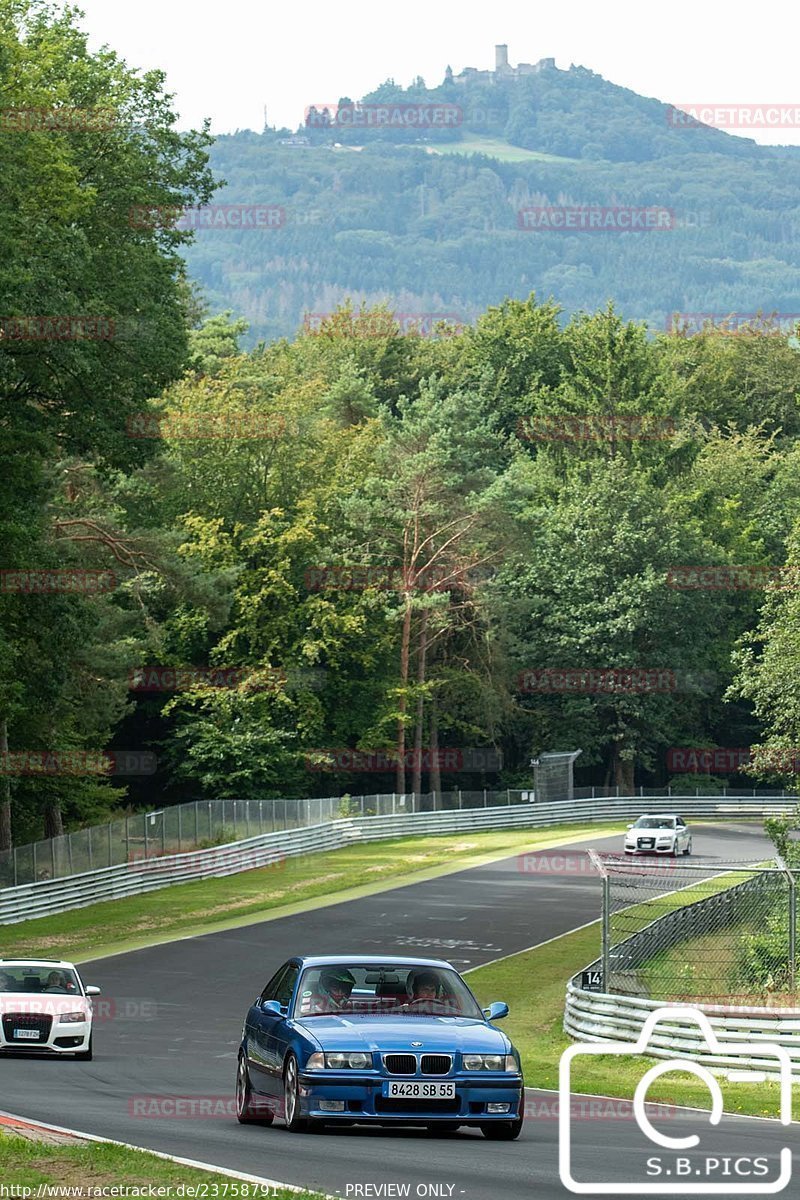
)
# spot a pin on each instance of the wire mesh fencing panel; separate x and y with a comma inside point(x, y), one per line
point(553, 776)
point(703, 931)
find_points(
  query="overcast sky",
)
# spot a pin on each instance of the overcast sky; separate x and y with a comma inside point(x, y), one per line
point(228, 60)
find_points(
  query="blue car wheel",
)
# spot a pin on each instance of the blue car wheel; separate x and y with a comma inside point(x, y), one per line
point(502, 1131)
point(291, 1098)
point(246, 1112)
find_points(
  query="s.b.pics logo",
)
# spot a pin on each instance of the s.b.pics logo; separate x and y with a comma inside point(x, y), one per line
point(704, 1153)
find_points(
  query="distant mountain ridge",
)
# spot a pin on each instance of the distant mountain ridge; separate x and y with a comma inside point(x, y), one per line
point(428, 219)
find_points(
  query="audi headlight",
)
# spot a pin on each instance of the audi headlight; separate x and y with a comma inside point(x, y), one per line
point(356, 1061)
point(71, 1018)
point(489, 1062)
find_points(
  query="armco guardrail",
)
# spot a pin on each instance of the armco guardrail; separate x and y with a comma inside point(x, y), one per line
point(132, 878)
point(598, 1017)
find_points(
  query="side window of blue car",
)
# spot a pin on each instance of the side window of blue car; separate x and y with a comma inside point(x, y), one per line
point(286, 985)
point(270, 992)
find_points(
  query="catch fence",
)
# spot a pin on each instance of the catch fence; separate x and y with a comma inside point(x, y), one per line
point(699, 930)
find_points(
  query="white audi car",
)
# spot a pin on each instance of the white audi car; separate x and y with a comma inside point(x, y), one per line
point(658, 833)
point(45, 1006)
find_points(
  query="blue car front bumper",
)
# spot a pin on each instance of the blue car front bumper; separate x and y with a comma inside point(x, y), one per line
point(363, 1098)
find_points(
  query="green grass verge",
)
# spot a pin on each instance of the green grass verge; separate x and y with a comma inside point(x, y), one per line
point(533, 984)
point(27, 1164)
point(294, 885)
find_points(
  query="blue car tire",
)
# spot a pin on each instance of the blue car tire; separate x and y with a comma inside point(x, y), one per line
point(502, 1131)
point(245, 1114)
point(291, 1097)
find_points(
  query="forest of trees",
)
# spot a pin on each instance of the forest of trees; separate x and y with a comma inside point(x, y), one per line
point(358, 538)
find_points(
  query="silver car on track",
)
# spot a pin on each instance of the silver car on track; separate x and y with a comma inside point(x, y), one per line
point(658, 833)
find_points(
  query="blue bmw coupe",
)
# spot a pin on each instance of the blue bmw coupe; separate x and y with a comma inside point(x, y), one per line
point(383, 1041)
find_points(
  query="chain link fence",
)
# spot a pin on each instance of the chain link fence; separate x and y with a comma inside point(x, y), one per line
point(704, 931)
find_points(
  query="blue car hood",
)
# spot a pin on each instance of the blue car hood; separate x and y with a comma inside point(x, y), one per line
point(334, 1032)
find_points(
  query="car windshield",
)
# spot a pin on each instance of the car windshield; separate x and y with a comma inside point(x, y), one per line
point(41, 978)
point(655, 823)
point(355, 989)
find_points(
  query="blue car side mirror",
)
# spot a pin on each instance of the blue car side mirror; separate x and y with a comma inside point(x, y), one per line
point(272, 1006)
point(495, 1011)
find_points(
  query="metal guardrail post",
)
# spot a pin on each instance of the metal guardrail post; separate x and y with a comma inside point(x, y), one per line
point(180, 831)
point(605, 943)
point(790, 879)
point(792, 931)
point(110, 850)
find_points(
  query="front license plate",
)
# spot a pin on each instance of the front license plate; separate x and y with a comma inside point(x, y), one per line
point(32, 1035)
point(420, 1091)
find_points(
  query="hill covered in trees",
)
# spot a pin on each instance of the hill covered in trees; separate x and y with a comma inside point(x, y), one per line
point(432, 219)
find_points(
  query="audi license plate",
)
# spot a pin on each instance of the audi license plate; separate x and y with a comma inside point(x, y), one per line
point(419, 1091)
point(32, 1035)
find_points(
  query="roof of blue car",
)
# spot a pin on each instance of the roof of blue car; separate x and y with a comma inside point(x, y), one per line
point(321, 960)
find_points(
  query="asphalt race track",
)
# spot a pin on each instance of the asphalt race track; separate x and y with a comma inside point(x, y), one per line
point(178, 1011)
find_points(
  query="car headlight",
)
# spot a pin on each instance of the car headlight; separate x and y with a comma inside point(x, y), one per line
point(355, 1060)
point(489, 1062)
point(72, 1018)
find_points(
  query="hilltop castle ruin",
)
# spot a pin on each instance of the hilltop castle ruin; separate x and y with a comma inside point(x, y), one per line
point(502, 69)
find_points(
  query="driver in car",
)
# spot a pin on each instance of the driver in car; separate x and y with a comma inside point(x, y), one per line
point(425, 992)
